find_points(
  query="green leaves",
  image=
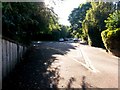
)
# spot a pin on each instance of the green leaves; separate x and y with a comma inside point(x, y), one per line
point(78, 14)
point(112, 34)
point(76, 18)
point(113, 21)
point(24, 21)
point(94, 24)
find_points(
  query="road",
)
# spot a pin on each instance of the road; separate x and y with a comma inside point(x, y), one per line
point(65, 65)
point(103, 65)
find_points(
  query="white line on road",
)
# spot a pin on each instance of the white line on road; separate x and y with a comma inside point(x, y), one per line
point(87, 64)
point(87, 61)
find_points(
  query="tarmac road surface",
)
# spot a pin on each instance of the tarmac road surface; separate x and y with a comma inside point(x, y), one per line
point(64, 65)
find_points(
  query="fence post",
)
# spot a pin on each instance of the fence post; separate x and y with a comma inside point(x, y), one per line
point(12, 58)
point(7, 56)
point(3, 58)
point(15, 47)
point(10, 54)
point(0, 63)
point(13, 55)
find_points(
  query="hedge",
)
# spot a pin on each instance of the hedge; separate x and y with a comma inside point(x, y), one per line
point(111, 39)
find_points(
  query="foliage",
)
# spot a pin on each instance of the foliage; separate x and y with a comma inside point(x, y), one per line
point(76, 18)
point(94, 24)
point(112, 34)
point(24, 22)
point(78, 14)
point(63, 31)
point(113, 21)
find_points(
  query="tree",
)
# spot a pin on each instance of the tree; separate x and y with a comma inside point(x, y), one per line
point(111, 36)
point(113, 21)
point(24, 22)
point(78, 14)
point(94, 24)
point(76, 18)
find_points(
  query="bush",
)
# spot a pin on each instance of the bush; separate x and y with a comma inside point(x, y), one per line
point(94, 38)
point(111, 39)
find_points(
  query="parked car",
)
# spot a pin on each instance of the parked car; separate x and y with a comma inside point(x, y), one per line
point(61, 40)
point(66, 39)
point(75, 39)
point(35, 43)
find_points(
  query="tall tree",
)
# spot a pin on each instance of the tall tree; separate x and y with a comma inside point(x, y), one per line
point(24, 21)
point(94, 23)
point(77, 16)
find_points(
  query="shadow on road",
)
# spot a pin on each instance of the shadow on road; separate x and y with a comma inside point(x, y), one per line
point(83, 43)
point(71, 80)
point(35, 71)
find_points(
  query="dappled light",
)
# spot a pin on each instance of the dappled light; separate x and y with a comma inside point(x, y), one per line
point(37, 70)
point(60, 44)
point(71, 80)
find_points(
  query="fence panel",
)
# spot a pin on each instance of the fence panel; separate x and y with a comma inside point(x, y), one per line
point(4, 58)
point(0, 63)
point(11, 55)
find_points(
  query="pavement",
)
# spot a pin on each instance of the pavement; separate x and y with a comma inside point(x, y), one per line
point(64, 65)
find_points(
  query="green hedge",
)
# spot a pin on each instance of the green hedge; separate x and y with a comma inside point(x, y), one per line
point(111, 39)
point(94, 38)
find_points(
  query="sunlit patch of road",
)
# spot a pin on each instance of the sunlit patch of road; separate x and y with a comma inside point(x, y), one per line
point(79, 56)
point(99, 68)
point(95, 69)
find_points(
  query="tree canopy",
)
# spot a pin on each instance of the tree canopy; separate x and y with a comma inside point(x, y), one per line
point(99, 19)
point(87, 21)
point(94, 24)
point(24, 21)
point(112, 33)
point(29, 21)
point(76, 18)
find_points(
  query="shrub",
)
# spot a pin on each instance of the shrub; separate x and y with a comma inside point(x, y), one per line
point(111, 39)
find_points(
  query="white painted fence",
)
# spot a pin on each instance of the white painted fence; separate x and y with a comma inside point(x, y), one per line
point(11, 55)
point(0, 63)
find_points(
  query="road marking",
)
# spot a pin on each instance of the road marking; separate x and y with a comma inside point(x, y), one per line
point(87, 61)
point(87, 64)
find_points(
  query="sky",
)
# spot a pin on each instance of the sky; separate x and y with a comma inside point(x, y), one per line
point(64, 8)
